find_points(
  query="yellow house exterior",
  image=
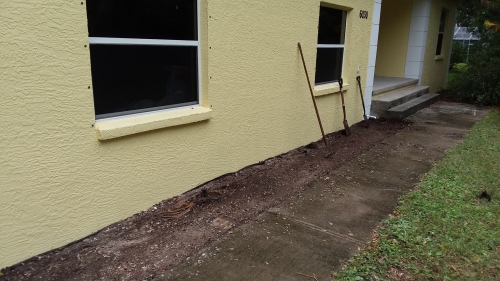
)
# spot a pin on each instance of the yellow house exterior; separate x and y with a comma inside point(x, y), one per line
point(65, 173)
point(408, 38)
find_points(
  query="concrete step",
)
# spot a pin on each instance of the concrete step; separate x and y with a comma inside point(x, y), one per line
point(387, 84)
point(381, 104)
point(406, 109)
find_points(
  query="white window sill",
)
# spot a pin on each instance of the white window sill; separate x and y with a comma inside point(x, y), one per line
point(328, 89)
point(133, 124)
point(440, 57)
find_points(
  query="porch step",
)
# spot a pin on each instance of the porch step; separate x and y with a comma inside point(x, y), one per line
point(406, 109)
point(387, 84)
point(381, 104)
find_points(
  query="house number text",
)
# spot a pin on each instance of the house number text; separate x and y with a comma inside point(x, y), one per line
point(363, 14)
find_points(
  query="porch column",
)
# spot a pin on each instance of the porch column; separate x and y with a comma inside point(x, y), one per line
point(373, 54)
point(418, 38)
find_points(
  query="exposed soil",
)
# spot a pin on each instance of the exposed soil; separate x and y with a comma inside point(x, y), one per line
point(152, 242)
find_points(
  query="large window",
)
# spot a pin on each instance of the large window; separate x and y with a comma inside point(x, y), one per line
point(330, 53)
point(442, 24)
point(144, 55)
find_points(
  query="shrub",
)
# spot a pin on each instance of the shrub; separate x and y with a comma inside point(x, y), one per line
point(458, 53)
point(460, 67)
point(480, 80)
point(478, 84)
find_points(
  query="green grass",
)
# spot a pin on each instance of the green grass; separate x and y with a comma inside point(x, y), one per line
point(442, 230)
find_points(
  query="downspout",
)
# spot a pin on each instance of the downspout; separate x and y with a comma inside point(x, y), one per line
point(373, 55)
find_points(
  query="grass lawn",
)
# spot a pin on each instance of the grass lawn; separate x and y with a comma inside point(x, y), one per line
point(443, 230)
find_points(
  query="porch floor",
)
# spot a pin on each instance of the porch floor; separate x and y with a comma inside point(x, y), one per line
point(384, 84)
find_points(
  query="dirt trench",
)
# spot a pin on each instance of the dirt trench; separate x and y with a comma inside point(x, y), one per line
point(150, 243)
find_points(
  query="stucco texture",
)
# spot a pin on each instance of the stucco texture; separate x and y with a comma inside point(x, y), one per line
point(60, 183)
point(435, 68)
point(395, 20)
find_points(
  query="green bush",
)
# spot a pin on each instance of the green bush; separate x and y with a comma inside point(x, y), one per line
point(460, 67)
point(480, 79)
point(458, 53)
point(478, 84)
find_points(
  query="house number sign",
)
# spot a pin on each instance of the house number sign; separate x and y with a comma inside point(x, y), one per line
point(363, 14)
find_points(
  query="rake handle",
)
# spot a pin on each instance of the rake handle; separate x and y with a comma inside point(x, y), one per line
point(312, 95)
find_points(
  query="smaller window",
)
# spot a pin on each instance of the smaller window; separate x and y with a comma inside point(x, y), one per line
point(330, 52)
point(442, 23)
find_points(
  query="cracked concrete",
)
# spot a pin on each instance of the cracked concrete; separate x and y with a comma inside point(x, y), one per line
point(318, 230)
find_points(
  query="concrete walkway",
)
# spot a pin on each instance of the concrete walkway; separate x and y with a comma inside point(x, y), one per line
point(317, 232)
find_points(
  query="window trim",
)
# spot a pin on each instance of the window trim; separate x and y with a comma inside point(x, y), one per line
point(145, 42)
point(126, 125)
point(335, 46)
point(156, 42)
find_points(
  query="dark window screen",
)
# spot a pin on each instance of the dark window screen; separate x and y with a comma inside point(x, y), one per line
point(328, 65)
point(440, 44)
point(146, 19)
point(442, 23)
point(331, 26)
point(131, 77)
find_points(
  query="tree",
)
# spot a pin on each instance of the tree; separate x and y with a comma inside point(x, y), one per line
point(481, 16)
point(481, 81)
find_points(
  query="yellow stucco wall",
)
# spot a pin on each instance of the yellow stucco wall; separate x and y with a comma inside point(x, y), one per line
point(393, 37)
point(59, 183)
point(435, 68)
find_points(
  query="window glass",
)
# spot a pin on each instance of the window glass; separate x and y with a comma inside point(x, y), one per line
point(328, 65)
point(442, 23)
point(146, 19)
point(439, 45)
point(130, 75)
point(330, 52)
point(331, 26)
point(134, 77)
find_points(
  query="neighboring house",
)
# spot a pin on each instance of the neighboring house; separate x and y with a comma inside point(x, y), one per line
point(466, 38)
point(108, 107)
point(463, 36)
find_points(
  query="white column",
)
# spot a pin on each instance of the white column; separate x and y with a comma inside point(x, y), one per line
point(418, 39)
point(373, 54)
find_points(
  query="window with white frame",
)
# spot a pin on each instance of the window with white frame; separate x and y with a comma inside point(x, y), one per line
point(442, 24)
point(330, 52)
point(144, 55)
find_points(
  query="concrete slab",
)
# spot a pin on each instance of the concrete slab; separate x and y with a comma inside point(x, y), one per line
point(384, 84)
point(336, 213)
point(269, 248)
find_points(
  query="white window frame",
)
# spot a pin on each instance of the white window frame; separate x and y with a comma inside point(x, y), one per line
point(336, 46)
point(155, 42)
